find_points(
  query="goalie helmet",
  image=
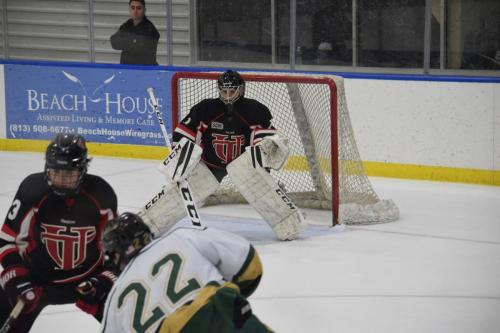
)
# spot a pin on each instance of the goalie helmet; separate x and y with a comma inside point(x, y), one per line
point(123, 238)
point(66, 163)
point(231, 86)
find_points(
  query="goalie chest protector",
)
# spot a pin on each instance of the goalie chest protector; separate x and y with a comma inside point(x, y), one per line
point(224, 133)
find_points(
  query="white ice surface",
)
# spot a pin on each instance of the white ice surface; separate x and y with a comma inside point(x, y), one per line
point(437, 269)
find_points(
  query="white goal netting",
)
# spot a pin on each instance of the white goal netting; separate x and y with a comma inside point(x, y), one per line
point(324, 170)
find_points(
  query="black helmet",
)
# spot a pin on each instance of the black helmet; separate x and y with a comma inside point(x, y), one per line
point(66, 152)
point(231, 79)
point(123, 238)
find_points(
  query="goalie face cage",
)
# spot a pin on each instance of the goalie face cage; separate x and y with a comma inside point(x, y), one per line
point(324, 170)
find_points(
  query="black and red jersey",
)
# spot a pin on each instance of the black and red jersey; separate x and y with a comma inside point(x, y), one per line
point(57, 238)
point(223, 131)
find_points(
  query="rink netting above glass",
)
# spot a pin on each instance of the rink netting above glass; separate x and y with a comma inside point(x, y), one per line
point(302, 110)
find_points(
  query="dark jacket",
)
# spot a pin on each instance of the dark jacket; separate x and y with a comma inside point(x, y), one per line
point(138, 43)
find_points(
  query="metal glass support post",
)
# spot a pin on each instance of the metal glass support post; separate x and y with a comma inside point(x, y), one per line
point(293, 32)
point(354, 33)
point(91, 31)
point(193, 33)
point(442, 35)
point(427, 35)
point(5, 30)
point(170, 32)
point(273, 32)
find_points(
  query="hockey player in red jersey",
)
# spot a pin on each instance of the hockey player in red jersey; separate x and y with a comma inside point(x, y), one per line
point(230, 135)
point(50, 242)
point(188, 280)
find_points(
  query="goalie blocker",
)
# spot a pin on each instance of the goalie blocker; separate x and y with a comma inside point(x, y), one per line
point(248, 173)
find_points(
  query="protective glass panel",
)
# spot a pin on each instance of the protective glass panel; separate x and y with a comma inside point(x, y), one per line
point(235, 31)
point(324, 32)
point(283, 32)
point(473, 34)
point(391, 33)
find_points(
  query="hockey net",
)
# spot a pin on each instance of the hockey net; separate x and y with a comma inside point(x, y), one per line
point(324, 170)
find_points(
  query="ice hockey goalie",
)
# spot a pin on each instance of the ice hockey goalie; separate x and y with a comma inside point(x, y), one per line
point(231, 135)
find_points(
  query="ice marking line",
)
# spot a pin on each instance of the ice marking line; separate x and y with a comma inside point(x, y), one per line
point(124, 172)
point(51, 313)
point(428, 236)
point(493, 298)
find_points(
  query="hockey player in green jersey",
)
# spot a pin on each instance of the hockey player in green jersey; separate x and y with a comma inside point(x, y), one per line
point(187, 280)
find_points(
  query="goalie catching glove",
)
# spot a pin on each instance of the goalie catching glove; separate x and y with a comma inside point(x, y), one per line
point(182, 160)
point(272, 152)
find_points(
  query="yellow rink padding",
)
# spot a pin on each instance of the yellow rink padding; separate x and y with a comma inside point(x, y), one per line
point(103, 149)
point(435, 173)
point(295, 163)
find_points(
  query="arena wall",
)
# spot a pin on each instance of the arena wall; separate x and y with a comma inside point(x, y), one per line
point(434, 128)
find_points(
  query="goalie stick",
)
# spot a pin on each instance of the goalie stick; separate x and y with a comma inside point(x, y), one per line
point(14, 314)
point(184, 189)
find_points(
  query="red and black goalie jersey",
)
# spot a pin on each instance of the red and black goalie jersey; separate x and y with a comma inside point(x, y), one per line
point(223, 131)
point(57, 238)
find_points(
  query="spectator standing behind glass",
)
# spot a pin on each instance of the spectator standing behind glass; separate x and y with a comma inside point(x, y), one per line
point(137, 38)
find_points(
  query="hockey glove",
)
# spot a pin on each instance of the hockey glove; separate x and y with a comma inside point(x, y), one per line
point(258, 157)
point(276, 151)
point(182, 160)
point(93, 291)
point(16, 282)
point(272, 152)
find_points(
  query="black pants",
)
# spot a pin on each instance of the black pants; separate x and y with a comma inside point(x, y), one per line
point(52, 295)
point(218, 173)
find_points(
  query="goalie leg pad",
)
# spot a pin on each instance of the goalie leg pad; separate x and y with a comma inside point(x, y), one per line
point(272, 203)
point(166, 208)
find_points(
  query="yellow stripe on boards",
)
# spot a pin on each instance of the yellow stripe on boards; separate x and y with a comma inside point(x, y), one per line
point(435, 173)
point(130, 151)
point(407, 171)
point(103, 149)
point(295, 163)
point(23, 145)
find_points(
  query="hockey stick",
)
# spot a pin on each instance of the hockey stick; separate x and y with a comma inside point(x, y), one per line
point(184, 189)
point(16, 311)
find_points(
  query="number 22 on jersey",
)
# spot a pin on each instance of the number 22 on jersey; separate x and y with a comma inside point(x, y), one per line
point(141, 291)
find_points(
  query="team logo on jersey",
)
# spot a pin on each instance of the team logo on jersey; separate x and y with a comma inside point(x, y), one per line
point(226, 147)
point(217, 125)
point(67, 246)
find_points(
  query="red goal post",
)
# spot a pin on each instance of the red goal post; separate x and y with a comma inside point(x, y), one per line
point(308, 110)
